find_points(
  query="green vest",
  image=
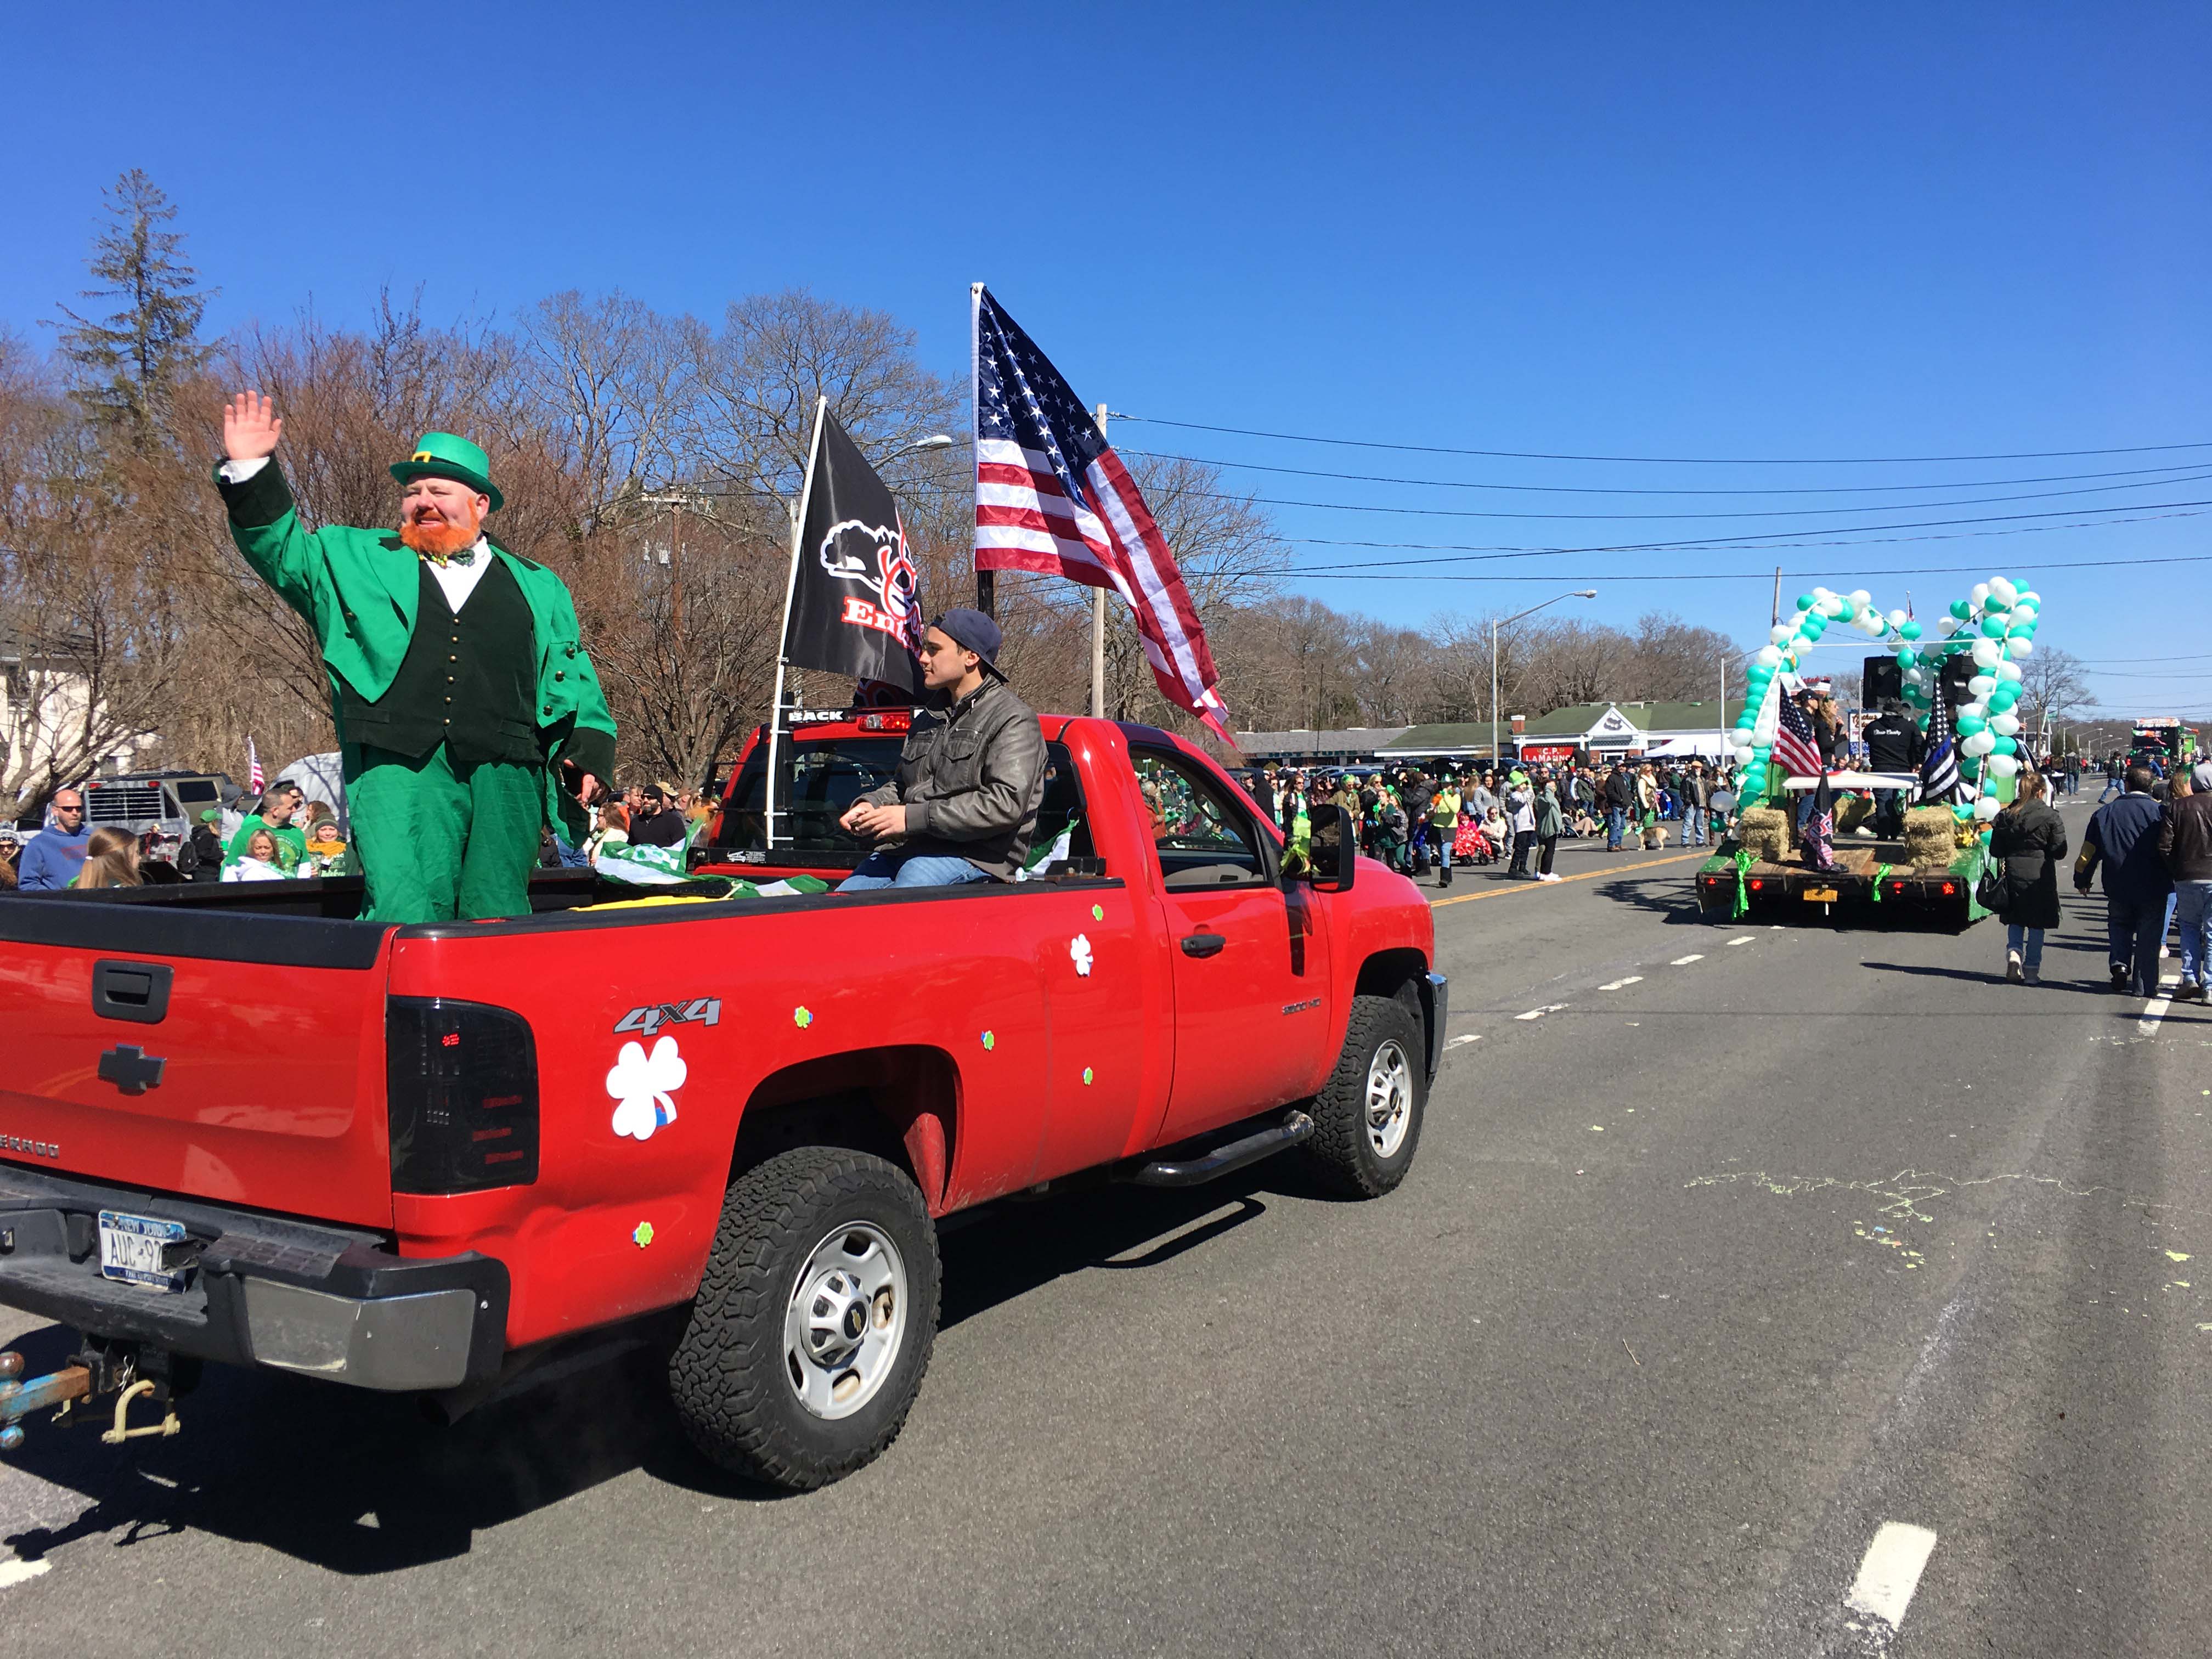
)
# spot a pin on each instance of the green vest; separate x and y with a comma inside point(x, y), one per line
point(466, 680)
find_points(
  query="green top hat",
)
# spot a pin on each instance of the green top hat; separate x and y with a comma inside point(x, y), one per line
point(442, 455)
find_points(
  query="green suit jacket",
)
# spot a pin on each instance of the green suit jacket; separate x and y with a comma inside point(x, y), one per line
point(358, 588)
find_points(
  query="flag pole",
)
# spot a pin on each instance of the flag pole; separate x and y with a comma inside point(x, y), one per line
point(1098, 627)
point(783, 639)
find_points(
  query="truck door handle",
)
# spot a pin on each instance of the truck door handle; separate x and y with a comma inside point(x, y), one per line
point(1203, 944)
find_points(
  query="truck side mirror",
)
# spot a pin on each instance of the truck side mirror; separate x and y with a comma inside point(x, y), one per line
point(1334, 851)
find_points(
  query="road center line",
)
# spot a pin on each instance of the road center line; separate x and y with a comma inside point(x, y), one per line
point(2154, 1010)
point(1538, 1013)
point(1684, 961)
point(1746, 940)
point(13, 1573)
point(1891, 1571)
point(1461, 1042)
point(1626, 980)
point(1510, 888)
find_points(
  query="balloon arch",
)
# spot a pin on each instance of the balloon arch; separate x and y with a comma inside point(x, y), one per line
point(1995, 624)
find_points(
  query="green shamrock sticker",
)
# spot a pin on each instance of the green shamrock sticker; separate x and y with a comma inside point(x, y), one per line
point(1086, 1077)
point(990, 1040)
point(1097, 913)
point(802, 1017)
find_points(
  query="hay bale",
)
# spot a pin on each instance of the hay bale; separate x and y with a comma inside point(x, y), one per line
point(1851, 811)
point(1931, 836)
point(1763, 832)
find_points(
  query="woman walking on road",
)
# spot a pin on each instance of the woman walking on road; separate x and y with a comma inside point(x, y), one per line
point(2031, 838)
point(1550, 823)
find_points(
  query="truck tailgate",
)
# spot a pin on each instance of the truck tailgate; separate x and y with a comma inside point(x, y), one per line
point(261, 1083)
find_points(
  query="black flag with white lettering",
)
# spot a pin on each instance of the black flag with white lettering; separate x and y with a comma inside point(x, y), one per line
point(853, 608)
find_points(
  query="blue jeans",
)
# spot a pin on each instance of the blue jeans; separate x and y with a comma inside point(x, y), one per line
point(2193, 906)
point(1616, 826)
point(2113, 787)
point(896, 867)
point(2134, 930)
point(2028, 943)
point(1694, 826)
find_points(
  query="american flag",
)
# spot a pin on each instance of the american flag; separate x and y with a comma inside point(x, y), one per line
point(254, 781)
point(1051, 496)
point(1793, 742)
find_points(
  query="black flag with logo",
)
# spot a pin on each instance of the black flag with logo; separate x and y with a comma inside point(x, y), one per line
point(853, 608)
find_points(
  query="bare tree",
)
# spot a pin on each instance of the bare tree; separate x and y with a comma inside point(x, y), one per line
point(2053, 683)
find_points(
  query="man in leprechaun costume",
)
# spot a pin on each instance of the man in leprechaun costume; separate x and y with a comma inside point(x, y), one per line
point(469, 714)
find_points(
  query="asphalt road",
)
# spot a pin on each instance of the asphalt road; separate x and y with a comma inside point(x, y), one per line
point(1759, 1268)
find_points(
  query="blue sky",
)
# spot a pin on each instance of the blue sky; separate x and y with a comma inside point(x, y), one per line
point(1625, 230)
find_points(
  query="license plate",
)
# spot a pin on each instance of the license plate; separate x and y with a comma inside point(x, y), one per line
point(131, 1247)
point(1820, 896)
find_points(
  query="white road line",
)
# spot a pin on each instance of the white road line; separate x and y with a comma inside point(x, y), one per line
point(1746, 940)
point(2154, 1010)
point(1891, 1571)
point(1631, 979)
point(1461, 1042)
point(1684, 961)
point(1538, 1013)
point(13, 1573)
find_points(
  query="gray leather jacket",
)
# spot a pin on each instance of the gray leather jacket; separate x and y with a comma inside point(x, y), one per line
point(971, 780)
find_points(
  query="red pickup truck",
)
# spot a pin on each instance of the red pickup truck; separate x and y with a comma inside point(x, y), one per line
point(239, 1126)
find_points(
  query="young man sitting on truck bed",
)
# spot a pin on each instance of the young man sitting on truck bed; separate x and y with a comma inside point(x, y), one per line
point(964, 804)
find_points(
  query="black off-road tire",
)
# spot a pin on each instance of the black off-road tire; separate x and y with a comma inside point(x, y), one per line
point(1342, 1155)
point(729, 1376)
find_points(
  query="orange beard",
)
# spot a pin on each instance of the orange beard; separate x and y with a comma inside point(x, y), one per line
point(434, 539)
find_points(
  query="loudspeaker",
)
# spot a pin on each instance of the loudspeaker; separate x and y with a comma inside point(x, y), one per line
point(1882, 682)
point(1957, 668)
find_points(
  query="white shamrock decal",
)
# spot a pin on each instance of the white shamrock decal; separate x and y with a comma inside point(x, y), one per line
point(642, 1086)
point(1078, 951)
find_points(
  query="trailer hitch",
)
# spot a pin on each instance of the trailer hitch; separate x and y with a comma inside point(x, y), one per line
point(89, 1376)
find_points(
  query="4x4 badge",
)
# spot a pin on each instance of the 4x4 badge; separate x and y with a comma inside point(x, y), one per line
point(702, 1010)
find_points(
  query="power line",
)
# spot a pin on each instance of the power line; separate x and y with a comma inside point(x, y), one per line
point(1476, 513)
point(2139, 472)
point(1660, 460)
point(1356, 574)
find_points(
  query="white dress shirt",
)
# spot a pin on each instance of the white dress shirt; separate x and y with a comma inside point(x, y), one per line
point(459, 580)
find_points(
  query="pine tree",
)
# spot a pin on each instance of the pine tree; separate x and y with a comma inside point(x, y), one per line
point(128, 364)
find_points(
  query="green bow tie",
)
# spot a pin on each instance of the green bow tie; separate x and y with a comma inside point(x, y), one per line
point(469, 557)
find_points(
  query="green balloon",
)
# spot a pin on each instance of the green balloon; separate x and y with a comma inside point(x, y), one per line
point(2006, 746)
point(1805, 601)
point(1910, 629)
point(1970, 724)
point(2003, 697)
point(1961, 610)
point(1993, 628)
point(1814, 627)
point(1908, 658)
point(1993, 604)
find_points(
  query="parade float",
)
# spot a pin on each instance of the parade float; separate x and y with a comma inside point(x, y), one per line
point(1961, 679)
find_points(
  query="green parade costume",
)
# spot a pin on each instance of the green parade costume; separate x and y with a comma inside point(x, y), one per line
point(450, 722)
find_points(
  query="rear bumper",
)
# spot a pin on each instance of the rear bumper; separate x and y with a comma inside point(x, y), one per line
point(324, 1301)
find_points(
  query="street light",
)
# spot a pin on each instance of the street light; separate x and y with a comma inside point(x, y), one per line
point(1498, 622)
point(935, 440)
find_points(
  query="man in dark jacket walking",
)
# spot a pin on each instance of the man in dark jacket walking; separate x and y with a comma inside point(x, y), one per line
point(964, 804)
point(2185, 841)
point(2124, 835)
point(1620, 801)
point(1415, 798)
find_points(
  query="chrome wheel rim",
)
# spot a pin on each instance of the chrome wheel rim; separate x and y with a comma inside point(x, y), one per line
point(1390, 1099)
point(845, 1321)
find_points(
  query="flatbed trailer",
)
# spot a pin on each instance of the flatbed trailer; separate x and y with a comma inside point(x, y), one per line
point(1866, 890)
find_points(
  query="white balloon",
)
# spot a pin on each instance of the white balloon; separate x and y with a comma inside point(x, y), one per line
point(1768, 657)
point(2021, 646)
point(1742, 753)
point(2008, 671)
point(2029, 596)
point(1948, 626)
point(2003, 591)
point(1898, 619)
point(2003, 766)
point(1977, 710)
point(1988, 653)
point(1823, 594)
point(1780, 632)
point(1985, 809)
point(1981, 684)
point(1861, 597)
point(1980, 744)
point(2005, 725)
point(1916, 677)
point(1977, 594)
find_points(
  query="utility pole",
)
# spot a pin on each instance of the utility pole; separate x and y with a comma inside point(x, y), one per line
point(1098, 626)
point(1774, 617)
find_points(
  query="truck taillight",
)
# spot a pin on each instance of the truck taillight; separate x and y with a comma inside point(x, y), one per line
point(461, 1088)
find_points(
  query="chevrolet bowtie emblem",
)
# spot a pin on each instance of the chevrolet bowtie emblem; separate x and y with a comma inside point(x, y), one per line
point(131, 1069)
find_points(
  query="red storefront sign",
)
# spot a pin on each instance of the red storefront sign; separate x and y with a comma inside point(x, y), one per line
point(1547, 751)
